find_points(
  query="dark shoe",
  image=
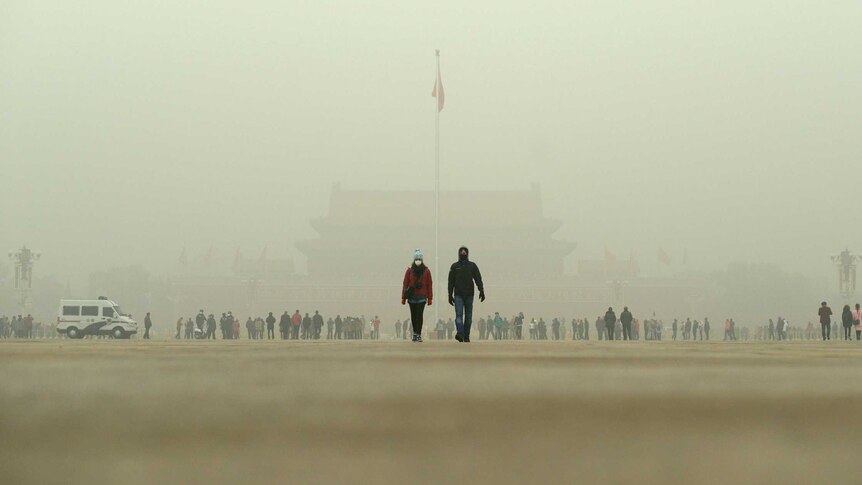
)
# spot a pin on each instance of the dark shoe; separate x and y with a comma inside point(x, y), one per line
point(467, 339)
point(458, 337)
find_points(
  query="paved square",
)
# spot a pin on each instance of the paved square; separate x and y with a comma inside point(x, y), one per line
point(437, 412)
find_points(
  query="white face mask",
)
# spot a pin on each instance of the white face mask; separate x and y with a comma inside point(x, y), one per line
point(417, 262)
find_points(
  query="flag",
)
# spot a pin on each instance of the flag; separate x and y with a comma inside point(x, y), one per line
point(663, 256)
point(437, 92)
point(609, 256)
point(262, 261)
point(237, 261)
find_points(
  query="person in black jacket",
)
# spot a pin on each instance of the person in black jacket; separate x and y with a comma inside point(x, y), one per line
point(846, 321)
point(148, 323)
point(610, 323)
point(284, 325)
point(270, 327)
point(626, 320)
point(462, 274)
point(317, 323)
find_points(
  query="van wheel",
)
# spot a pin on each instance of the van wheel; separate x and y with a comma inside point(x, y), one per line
point(118, 333)
point(73, 332)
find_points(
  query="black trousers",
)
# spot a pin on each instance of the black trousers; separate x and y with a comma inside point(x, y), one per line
point(847, 333)
point(825, 330)
point(609, 332)
point(627, 331)
point(417, 310)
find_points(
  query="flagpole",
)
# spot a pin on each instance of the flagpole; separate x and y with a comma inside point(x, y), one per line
point(437, 193)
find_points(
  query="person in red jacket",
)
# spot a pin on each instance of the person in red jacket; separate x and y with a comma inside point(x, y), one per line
point(417, 290)
point(295, 321)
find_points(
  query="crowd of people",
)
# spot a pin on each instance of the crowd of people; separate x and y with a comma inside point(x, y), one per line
point(610, 326)
point(290, 327)
point(22, 327)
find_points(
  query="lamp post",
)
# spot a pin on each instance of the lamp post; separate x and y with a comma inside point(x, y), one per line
point(845, 262)
point(254, 285)
point(23, 260)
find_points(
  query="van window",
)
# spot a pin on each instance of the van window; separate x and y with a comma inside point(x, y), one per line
point(69, 311)
point(107, 311)
point(89, 311)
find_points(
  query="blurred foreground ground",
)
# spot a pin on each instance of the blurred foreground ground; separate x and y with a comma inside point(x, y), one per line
point(438, 412)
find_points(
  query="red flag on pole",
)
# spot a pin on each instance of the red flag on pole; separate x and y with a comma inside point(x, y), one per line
point(237, 261)
point(663, 256)
point(437, 92)
point(609, 256)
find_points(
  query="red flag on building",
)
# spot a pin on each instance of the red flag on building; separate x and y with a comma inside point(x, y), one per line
point(437, 92)
point(663, 256)
point(609, 256)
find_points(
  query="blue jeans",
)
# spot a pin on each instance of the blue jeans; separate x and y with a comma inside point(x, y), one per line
point(463, 314)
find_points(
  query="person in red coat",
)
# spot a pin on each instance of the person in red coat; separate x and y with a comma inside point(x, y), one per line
point(417, 291)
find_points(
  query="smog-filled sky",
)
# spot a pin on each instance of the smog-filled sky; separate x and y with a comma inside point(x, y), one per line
point(728, 130)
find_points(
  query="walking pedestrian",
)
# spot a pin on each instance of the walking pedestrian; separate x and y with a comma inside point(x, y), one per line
point(626, 320)
point(270, 327)
point(847, 321)
point(498, 326)
point(200, 322)
point(417, 290)
point(825, 314)
point(148, 323)
point(610, 322)
point(211, 327)
point(296, 321)
point(462, 275)
point(857, 321)
point(317, 324)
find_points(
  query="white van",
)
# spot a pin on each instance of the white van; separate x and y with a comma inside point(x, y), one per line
point(77, 318)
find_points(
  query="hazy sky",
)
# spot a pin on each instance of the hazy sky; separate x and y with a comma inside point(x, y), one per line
point(129, 130)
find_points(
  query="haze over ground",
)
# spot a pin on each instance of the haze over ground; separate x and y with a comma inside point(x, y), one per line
point(728, 129)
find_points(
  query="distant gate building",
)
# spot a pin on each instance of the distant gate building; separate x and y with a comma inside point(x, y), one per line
point(366, 242)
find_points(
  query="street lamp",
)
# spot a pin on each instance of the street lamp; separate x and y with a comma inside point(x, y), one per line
point(23, 259)
point(845, 262)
